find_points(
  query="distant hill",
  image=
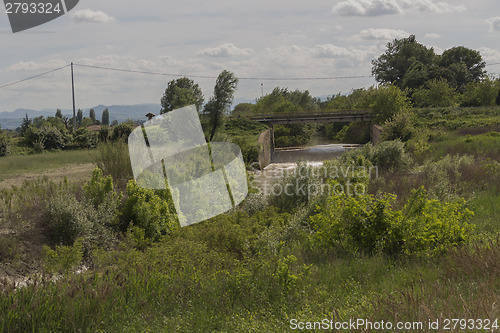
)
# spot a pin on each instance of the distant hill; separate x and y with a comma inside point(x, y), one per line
point(12, 120)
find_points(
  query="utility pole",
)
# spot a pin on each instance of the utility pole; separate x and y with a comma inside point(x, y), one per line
point(73, 90)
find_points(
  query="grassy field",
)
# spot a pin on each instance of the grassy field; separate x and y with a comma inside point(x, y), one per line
point(37, 163)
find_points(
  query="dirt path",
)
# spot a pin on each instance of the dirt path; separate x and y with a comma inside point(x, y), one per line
point(74, 173)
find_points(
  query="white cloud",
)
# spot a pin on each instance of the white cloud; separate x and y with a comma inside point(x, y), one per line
point(226, 50)
point(330, 51)
point(92, 16)
point(31, 66)
point(431, 6)
point(490, 55)
point(432, 35)
point(494, 23)
point(380, 34)
point(389, 7)
point(367, 7)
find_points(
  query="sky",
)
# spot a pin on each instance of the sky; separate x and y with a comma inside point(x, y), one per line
point(327, 44)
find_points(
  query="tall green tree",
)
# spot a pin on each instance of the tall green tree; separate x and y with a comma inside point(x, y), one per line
point(181, 92)
point(105, 117)
point(408, 64)
point(25, 124)
point(466, 65)
point(92, 115)
point(399, 58)
point(222, 99)
point(283, 100)
point(79, 117)
point(59, 114)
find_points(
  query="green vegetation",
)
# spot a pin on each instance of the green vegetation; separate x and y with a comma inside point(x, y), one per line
point(405, 230)
point(20, 164)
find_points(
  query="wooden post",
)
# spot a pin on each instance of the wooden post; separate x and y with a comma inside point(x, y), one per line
point(73, 93)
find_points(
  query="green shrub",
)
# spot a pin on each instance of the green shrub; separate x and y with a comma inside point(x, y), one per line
point(400, 127)
point(4, 145)
point(47, 136)
point(68, 219)
point(367, 224)
point(122, 131)
point(99, 189)
point(104, 133)
point(292, 135)
point(63, 259)
point(390, 155)
point(152, 211)
point(387, 101)
point(86, 138)
point(249, 150)
point(437, 93)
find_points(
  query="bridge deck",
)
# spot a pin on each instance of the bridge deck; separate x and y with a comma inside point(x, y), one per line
point(324, 117)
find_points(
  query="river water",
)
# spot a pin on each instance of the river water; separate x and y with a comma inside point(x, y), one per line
point(285, 160)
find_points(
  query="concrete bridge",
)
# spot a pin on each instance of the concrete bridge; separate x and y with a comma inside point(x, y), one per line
point(267, 137)
point(308, 118)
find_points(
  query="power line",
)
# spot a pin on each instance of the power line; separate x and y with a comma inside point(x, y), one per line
point(200, 76)
point(144, 72)
point(33, 77)
point(214, 77)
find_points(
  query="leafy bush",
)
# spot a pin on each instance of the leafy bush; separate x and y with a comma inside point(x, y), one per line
point(387, 101)
point(92, 219)
point(63, 258)
point(100, 189)
point(47, 136)
point(67, 219)
point(150, 210)
point(400, 127)
point(437, 93)
point(292, 135)
point(122, 131)
point(367, 224)
point(389, 155)
point(249, 150)
point(86, 138)
point(104, 133)
point(4, 144)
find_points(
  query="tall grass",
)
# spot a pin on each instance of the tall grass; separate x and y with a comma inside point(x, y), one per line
point(467, 288)
point(113, 159)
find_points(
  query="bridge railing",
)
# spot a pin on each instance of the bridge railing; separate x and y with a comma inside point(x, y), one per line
point(315, 114)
